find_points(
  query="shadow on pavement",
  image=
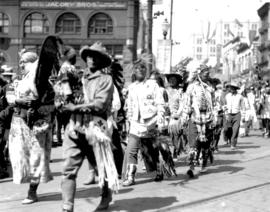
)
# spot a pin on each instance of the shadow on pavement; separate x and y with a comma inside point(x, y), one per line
point(230, 152)
point(247, 147)
point(142, 203)
point(230, 169)
point(80, 194)
point(218, 162)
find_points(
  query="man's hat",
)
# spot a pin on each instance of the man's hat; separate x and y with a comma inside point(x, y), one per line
point(234, 84)
point(174, 73)
point(96, 51)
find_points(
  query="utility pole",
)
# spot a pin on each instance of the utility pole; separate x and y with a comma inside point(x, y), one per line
point(171, 23)
point(150, 25)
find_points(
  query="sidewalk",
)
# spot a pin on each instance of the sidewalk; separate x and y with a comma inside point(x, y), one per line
point(237, 181)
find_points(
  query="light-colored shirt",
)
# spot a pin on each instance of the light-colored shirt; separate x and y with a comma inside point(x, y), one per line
point(235, 103)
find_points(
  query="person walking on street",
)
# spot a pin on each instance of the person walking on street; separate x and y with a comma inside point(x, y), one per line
point(234, 103)
point(91, 140)
point(145, 109)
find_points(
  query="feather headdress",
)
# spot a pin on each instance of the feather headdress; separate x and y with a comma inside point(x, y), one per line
point(143, 60)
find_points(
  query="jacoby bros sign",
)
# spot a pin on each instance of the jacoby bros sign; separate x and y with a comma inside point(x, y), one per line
point(78, 4)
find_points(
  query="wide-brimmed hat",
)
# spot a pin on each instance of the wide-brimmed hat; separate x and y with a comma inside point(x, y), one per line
point(97, 50)
point(234, 84)
point(174, 73)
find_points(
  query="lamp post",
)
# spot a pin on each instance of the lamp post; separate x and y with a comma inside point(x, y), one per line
point(165, 28)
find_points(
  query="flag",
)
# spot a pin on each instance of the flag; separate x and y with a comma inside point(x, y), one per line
point(213, 34)
point(208, 31)
point(230, 32)
point(238, 22)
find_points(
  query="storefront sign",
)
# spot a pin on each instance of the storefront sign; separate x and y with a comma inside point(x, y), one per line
point(68, 4)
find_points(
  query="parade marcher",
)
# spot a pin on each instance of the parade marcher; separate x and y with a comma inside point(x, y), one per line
point(92, 139)
point(145, 109)
point(176, 97)
point(266, 112)
point(245, 120)
point(64, 84)
point(252, 102)
point(198, 112)
point(30, 136)
point(218, 117)
point(234, 103)
point(5, 119)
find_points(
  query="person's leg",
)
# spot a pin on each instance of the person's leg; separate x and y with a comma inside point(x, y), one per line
point(32, 193)
point(132, 160)
point(193, 148)
point(118, 154)
point(73, 158)
point(235, 129)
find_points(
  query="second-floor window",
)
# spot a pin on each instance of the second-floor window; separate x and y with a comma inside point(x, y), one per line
point(36, 23)
point(100, 23)
point(4, 23)
point(68, 23)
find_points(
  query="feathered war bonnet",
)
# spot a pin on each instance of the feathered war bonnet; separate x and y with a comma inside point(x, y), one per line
point(142, 62)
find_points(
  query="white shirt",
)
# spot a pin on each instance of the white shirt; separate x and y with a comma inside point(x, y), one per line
point(235, 103)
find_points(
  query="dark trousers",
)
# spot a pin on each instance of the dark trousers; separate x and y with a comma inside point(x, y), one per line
point(3, 142)
point(117, 150)
point(75, 150)
point(197, 147)
point(149, 149)
point(217, 131)
point(62, 119)
point(233, 125)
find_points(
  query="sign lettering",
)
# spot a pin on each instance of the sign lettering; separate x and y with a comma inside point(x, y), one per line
point(79, 4)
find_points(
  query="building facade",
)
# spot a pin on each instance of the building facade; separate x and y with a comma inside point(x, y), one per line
point(210, 44)
point(264, 47)
point(25, 24)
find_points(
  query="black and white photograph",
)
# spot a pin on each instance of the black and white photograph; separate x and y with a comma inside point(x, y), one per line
point(134, 105)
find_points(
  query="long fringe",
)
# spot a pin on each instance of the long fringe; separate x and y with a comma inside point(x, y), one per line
point(104, 157)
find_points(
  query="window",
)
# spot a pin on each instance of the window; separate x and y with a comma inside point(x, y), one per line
point(240, 34)
point(114, 49)
point(199, 57)
point(100, 23)
point(199, 41)
point(254, 27)
point(213, 42)
point(212, 49)
point(199, 49)
point(36, 23)
point(4, 23)
point(226, 26)
point(68, 23)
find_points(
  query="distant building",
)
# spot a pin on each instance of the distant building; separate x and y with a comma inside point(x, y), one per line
point(25, 24)
point(264, 48)
point(209, 44)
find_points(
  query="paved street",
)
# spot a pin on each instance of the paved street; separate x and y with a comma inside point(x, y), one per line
point(237, 181)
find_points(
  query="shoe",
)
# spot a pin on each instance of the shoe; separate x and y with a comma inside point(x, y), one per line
point(130, 175)
point(128, 182)
point(91, 179)
point(233, 148)
point(190, 173)
point(159, 177)
point(29, 200)
point(106, 198)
